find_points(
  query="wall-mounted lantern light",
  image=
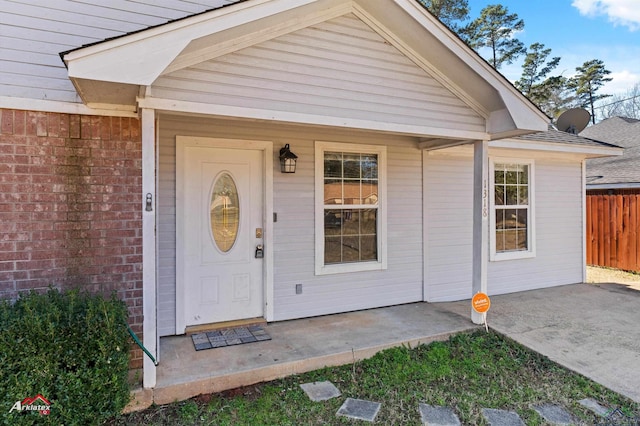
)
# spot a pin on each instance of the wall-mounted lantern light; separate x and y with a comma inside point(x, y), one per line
point(287, 160)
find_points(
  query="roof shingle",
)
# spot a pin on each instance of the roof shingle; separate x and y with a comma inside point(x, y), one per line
point(625, 169)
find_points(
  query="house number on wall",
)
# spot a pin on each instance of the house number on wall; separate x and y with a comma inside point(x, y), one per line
point(485, 199)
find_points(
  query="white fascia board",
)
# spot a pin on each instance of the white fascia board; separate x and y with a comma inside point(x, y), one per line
point(302, 118)
point(146, 54)
point(587, 151)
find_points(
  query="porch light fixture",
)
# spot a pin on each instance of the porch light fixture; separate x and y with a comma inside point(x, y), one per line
point(287, 160)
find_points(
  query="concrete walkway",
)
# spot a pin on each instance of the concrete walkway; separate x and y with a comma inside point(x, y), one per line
point(297, 346)
point(591, 329)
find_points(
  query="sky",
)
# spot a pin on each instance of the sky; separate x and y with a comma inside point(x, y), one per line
point(579, 31)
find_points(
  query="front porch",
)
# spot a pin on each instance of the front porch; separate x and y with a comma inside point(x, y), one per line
point(297, 346)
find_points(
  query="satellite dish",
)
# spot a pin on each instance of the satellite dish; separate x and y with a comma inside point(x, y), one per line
point(573, 120)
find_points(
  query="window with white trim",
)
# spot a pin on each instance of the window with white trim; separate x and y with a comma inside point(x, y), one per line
point(512, 233)
point(350, 207)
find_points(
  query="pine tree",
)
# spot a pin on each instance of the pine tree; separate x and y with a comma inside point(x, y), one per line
point(536, 68)
point(496, 29)
point(592, 75)
point(449, 12)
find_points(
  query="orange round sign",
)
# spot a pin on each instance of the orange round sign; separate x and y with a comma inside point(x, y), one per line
point(480, 303)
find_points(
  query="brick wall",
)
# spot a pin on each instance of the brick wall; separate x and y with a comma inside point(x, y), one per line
point(70, 206)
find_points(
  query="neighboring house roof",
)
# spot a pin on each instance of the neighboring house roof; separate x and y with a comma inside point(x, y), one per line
point(615, 172)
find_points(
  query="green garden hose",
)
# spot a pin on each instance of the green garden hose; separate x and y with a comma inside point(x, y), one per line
point(135, 339)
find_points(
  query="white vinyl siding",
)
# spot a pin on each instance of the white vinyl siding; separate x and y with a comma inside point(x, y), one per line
point(448, 233)
point(339, 68)
point(34, 32)
point(559, 227)
point(448, 197)
point(294, 246)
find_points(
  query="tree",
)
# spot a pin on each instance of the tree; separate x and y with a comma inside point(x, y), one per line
point(496, 29)
point(557, 96)
point(541, 90)
point(536, 68)
point(592, 75)
point(448, 11)
point(623, 105)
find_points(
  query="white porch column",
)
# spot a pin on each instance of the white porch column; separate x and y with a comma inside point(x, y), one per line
point(480, 221)
point(149, 327)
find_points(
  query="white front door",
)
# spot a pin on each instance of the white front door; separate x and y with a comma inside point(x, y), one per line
point(221, 222)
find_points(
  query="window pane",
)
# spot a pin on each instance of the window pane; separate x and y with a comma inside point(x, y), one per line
point(352, 166)
point(499, 195)
point(369, 166)
point(333, 191)
point(332, 250)
point(333, 222)
point(521, 243)
point(351, 192)
point(523, 175)
point(522, 218)
point(332, 164)
point(368, 221)
point(351, 249)
point(512, 195)
point(499, 241)
point(350, 222)
point(523, 195)
point(369, 192)
point(499, 174)
point(224, 212)
point(511, 177)
point(499, 219)
point(369, 247)
point(510, 219)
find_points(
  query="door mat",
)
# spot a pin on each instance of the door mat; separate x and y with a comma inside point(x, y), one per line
point(229, 337)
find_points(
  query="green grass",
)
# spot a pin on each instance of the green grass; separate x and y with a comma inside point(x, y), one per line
point(468, 372)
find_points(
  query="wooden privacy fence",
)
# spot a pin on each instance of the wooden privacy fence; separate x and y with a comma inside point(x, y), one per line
point(613, 231)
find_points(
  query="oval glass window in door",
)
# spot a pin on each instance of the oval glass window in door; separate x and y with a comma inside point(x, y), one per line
point(225, 212)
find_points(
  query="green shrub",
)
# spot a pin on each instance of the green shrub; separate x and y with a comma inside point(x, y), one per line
point(71, 348)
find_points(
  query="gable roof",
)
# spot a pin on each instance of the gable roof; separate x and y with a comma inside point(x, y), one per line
point(97, 70)
point(623, 171)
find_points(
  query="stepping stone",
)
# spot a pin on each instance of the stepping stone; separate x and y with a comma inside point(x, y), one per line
point(438, 416)
point(502, 417)
point(359, 409)
point(594, 406)
point(554, 414)
point(320, 391)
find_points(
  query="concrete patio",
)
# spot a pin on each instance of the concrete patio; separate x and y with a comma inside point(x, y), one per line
point(297, 346)
point(591, 329)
